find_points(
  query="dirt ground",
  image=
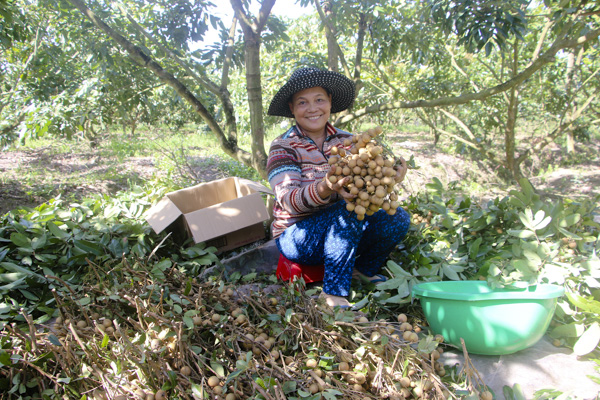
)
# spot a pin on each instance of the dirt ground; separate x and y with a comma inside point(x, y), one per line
point(575, 177)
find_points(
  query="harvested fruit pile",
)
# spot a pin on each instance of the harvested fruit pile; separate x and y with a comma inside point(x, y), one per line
point(372, 174)
point(188, 339)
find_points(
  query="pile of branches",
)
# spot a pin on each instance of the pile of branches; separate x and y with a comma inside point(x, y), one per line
point(182, 338)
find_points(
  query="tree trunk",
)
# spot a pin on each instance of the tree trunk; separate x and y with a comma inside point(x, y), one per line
point(252, 28)
point(511, 120)
point(332, 56)
point(568, 87)
point(255, 105)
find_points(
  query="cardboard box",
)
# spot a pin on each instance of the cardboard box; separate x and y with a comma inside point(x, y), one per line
point(226, 213)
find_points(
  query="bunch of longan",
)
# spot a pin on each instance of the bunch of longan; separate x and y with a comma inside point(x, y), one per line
point(373, 174)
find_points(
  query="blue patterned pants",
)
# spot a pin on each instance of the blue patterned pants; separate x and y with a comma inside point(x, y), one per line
point(333, 237)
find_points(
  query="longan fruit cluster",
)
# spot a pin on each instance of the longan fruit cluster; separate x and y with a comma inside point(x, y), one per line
point(373, 174)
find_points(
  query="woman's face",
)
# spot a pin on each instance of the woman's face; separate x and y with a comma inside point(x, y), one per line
point(311, 108)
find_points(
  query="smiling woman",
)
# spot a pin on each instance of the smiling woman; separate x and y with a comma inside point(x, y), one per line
point(311, 224)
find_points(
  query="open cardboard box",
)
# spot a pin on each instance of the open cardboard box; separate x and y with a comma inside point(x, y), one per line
point(226, 213)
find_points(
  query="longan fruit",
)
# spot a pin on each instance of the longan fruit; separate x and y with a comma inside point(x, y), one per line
point(311, 363)
point(213, 381)
point(343, 366)
point(486, 395)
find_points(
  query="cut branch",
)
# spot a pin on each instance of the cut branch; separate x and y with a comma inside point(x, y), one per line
point(535, 66)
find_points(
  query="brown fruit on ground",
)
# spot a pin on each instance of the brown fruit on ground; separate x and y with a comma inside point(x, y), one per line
point(486, 395)
point(213, 381)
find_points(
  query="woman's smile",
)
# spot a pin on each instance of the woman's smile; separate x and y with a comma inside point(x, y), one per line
point(311, 108)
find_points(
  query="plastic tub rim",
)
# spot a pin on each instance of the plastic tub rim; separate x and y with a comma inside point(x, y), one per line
point(422, 290)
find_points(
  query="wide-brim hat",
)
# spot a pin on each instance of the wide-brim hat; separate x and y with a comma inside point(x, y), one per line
point(341, 88)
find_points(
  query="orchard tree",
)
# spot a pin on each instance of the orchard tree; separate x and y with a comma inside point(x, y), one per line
point(370, 41)
point(435, 44)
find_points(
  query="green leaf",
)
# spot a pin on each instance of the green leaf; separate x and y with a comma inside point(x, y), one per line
point(523, 234)
point(527, 188)
point(362, 303)
point(56, 231)
point(88, 247)
point(448, 223)
point(588, 305)
point(218, 368)
point(197, 391)
point(588, 341)
point(84, 301)
point(396, 270)
point(569, 220)
point(12, 276)
point(188, 322)
point(474, 248)
point(450, 273)
point(569, 234)
point(28, 295)
point(568, 330)
point(105, 341)
point(16, 268)
point(20, 240)
point(540, 220)
point(289, 387)
point(5, 358)
point(54, 340)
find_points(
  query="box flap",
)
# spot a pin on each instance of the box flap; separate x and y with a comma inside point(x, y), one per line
point(223, 218)
point(204, 195)
point(163, 214)
point(246, 187)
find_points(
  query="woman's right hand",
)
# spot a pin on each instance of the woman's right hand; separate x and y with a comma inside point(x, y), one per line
point(325, 188)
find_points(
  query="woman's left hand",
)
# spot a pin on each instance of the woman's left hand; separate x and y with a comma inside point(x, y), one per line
point(401, 170)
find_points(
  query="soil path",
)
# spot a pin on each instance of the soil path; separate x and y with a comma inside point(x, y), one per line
point(31, 177)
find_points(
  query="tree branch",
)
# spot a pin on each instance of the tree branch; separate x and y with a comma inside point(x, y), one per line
point(137, 55)
point(329, 32)
point(263, 14)
point(204, 81)
point(238, 10)
point(536, 65)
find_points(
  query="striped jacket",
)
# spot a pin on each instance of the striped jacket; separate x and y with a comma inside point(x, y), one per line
point(295, 167)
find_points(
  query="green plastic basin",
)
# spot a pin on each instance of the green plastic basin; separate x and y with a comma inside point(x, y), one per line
point(491, 321)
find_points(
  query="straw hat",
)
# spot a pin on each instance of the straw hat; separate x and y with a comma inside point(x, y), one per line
point(341, 89)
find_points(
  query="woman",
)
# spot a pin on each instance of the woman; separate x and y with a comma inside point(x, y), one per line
point(311, 224)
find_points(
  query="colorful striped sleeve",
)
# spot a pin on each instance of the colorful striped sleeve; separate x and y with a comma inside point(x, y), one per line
point(285, 177)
